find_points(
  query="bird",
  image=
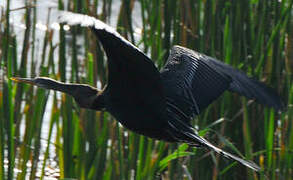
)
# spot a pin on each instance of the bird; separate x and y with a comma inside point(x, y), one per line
point(153, 103)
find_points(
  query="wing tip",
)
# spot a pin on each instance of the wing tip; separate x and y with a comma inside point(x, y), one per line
point(272, 99)
point(84, 20)
point(72, 18)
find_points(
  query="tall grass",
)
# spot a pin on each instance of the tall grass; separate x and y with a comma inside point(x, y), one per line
point(254, 36)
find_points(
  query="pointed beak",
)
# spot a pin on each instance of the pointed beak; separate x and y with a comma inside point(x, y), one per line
point(23, 80)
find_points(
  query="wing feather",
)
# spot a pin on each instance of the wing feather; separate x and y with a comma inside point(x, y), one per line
point(188, 76)
point(130, 71)
point(249, 86)
point(200, 79)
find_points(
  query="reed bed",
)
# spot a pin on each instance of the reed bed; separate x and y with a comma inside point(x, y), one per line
point(254, 36)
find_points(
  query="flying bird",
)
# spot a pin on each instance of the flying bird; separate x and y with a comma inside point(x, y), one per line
point(153, 103)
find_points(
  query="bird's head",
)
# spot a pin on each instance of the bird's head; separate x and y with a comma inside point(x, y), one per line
point(85, 95)
point(43, 82)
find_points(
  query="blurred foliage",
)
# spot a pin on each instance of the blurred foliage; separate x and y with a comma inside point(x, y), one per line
point(254, 36)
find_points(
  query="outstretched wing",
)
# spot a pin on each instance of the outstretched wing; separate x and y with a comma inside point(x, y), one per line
point(249, 86)
point(114, 44)
point(193, 80)
point(130, 71)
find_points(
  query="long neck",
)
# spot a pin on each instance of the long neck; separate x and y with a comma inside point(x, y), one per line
point(99, 102)
point(85, 95)
point(60, 86)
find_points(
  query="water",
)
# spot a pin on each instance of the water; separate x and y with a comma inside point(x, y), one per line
point(44, 9)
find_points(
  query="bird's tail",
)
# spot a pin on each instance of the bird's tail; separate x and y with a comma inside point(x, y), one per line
point(184, 133)
point(205, 143)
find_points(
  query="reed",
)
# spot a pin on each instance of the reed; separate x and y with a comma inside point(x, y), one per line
point(254, 36)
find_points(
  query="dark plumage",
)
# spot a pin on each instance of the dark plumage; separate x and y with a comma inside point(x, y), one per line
point(157, 104)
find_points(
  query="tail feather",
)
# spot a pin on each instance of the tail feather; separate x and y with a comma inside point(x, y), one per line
point(203, 141)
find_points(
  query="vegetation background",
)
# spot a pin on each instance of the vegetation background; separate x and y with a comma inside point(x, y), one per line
point(255, 36)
